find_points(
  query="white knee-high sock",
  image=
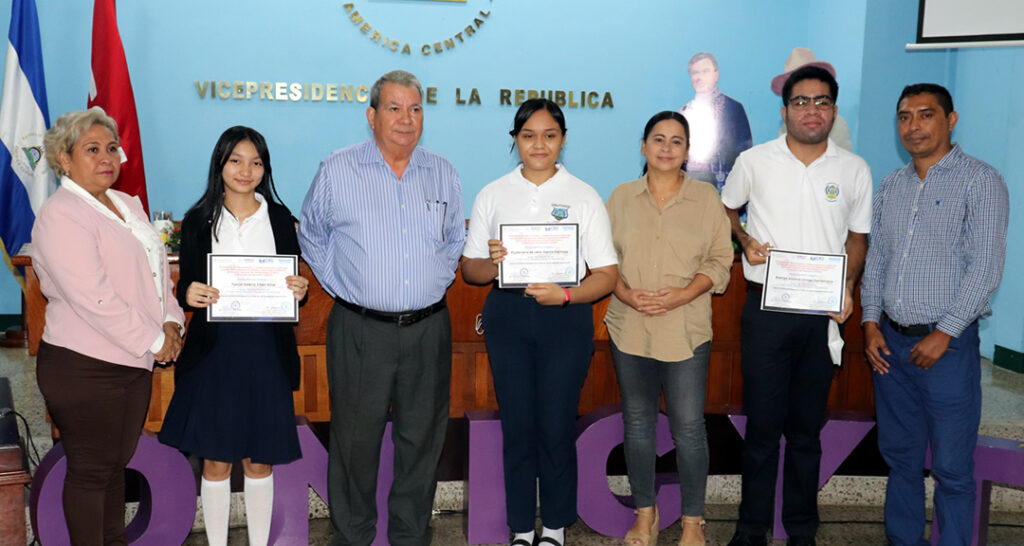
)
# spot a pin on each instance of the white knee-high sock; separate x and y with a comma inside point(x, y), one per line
point(216, 510)
point(259, 505)
point(556, 534)
point(528, 537)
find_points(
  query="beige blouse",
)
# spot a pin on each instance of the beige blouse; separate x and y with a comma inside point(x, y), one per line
point(658, 248)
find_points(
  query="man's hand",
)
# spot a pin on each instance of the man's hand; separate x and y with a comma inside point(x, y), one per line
point(875, 347)
point(930, 349)
point(756, 253)
point(847, 308)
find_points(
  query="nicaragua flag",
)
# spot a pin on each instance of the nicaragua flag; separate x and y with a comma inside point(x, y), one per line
point(25, 178)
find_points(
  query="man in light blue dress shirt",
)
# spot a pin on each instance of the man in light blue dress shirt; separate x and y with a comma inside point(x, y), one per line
point(382, 228)
point(938, 245)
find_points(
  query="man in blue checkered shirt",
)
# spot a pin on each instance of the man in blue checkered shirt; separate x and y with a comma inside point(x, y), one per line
point(938, 243)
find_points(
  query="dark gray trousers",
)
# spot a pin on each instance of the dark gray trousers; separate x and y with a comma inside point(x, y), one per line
point(371, 366)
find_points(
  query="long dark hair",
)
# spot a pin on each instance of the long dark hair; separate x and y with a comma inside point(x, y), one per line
point(662, 116)
point(211, 204)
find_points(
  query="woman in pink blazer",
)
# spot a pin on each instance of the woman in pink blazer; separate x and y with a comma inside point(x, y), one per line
point(111, 313)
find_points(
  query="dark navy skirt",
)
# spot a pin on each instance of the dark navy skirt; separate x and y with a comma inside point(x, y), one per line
point(236, 403)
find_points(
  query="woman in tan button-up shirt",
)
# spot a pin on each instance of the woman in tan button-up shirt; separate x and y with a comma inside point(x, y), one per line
point(673, 243)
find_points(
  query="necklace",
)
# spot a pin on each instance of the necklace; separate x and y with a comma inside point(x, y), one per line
point(662, 198)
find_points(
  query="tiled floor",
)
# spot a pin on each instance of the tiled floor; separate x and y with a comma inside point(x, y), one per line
point(841, 526)
point(1003, 415)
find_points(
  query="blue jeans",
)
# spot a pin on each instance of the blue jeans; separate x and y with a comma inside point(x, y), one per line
point(642, 381)
point(939, 407)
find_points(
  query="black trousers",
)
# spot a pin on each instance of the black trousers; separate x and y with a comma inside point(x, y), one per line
point(787, 374)
point(100, 408)
point(539, 357)
point(371, 366)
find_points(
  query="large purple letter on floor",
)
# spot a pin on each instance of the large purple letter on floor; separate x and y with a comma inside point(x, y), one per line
point(996, 460)
point(166, 517)
point(293, 480)
point(163, 518)
point(838, 440)
point(599, 432)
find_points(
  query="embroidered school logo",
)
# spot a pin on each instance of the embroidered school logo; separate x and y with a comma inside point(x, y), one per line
point(831, 192)
point(559, 212)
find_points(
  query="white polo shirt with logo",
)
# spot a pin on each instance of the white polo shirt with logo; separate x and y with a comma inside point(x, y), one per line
point(797, 207)
point(562, 199)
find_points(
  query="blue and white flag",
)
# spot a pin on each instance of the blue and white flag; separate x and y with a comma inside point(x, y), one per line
point(25, 178)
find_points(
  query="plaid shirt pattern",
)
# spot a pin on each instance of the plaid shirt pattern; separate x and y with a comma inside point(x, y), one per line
point(938, 245)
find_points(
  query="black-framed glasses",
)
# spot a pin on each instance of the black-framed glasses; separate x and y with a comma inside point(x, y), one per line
point(821, 102)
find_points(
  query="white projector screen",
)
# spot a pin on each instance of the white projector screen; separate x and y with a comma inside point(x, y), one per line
point(981, 21)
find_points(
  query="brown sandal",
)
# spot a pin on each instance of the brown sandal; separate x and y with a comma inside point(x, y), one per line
point(693, 520)
point(642, 536)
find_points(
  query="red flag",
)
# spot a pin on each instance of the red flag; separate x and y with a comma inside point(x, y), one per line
point(111, 89)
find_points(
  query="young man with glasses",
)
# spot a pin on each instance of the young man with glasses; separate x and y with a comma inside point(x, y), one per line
point(803, 194)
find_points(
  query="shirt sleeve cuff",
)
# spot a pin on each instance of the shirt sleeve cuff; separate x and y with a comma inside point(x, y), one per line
point(718, 282)
point(729, 203)
point(952, 325)
point(871, 314)
point(159, 343)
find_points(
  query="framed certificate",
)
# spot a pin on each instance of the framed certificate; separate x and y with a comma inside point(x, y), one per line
point(796, 282)
point(539, 253)
point(252, 288)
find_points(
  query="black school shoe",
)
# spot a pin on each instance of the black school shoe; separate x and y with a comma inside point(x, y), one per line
point(801, 541)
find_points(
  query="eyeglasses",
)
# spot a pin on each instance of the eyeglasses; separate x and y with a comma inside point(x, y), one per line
point(821, 102)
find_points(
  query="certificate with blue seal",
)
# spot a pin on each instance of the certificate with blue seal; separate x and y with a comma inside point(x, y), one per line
point(798, 282)
point(539, 253)
point(253, 288)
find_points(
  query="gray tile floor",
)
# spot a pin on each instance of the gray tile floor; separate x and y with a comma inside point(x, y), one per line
point(1002, 415)
point(841, 526)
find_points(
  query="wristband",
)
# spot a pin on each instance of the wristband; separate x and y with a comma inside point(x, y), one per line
point(567, 297)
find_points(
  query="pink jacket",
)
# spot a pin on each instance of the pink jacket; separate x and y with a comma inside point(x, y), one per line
point(102, 299)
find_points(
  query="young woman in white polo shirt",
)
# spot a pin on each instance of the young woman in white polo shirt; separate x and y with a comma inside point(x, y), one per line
point(539, 339)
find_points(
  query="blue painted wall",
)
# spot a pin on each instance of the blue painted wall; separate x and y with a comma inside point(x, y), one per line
point(988, 86)
point(636, 51)
point(985, 84)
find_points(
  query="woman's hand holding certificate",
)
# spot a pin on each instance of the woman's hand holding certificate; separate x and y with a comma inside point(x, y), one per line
point(539, 253)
